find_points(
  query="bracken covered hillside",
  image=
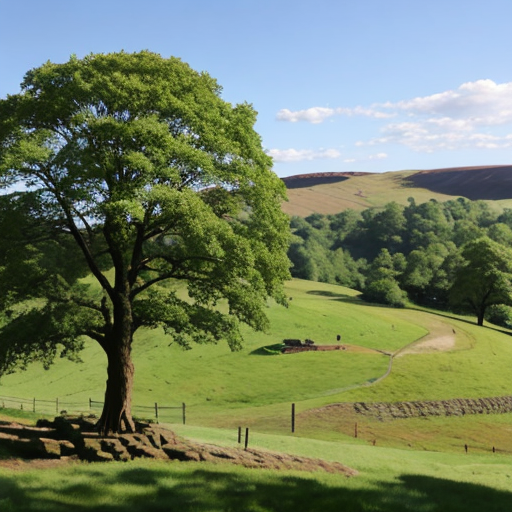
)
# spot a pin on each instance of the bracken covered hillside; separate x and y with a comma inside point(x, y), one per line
point(333, 192)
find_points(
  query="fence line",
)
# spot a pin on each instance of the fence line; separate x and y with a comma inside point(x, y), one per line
point(149, 412)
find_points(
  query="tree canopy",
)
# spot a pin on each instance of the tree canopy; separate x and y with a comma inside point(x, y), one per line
point(132, 169)
point(485, 278)
point(426, 250)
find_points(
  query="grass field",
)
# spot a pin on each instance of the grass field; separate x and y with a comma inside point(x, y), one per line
point(389, 480)
point(211, 379)
point(415, 464)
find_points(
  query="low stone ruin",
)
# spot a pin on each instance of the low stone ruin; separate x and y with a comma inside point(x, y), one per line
point(77, 438)
point(292, 346)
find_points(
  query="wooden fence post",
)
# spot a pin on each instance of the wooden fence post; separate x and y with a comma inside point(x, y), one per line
point(239, 435)
point(90, 405)
point(183, 412)
point(56, 406)
point(34, 405)
point(293, 418)
point(246, 437)
point(156, 411)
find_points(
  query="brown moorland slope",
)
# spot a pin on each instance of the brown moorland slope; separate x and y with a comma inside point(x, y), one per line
point(334, 192)
point(490, 182)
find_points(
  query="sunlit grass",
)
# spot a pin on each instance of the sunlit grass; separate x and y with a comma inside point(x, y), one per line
point(389, 480)
point(225, 389)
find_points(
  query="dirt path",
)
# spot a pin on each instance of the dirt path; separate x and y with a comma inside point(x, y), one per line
point(429, 344)
point(441, 338)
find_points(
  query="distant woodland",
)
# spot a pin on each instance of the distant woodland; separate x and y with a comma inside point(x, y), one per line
point(448, 255)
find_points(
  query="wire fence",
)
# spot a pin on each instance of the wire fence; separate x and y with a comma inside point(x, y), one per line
point(154, 413)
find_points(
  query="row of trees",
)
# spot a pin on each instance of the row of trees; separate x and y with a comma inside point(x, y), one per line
point(455, 254)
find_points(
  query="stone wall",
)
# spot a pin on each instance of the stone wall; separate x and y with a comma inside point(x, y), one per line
point(425, 408)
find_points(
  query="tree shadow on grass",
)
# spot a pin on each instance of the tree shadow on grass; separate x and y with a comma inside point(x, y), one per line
point(268, 350)
point(341, 297)
point(327, 293)
point(351, 299)
point(221, 488)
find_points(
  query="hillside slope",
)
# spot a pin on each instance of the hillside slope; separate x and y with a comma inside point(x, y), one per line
point(333, 192)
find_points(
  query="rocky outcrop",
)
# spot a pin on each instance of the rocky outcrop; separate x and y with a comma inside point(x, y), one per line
point(76, 437)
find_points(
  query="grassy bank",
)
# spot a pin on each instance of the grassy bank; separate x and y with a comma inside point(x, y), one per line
point(389, 480)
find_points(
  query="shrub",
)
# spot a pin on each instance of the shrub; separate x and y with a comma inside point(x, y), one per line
point(499, 314)
point(385, 291)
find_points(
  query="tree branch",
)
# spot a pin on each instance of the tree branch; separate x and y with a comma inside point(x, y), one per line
point(148, 284)
point(103, 281)
point(96, 336)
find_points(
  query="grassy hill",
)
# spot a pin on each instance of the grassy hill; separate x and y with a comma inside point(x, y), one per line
point(319, 193)
point(404, 464)
point(255, 388)
point(410, 464)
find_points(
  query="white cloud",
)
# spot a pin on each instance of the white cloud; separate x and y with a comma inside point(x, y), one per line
point(378, 156)
point(317, 115)
point(299, 155)
point(313, 115)
point(461, 118)
point(480, 103)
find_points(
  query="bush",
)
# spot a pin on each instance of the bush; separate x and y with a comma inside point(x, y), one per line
point(385, 291)
point(499, 314)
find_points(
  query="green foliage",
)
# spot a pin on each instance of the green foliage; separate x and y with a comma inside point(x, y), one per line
point(132, 168)
point(429, 274)
point(485, 278)
point(385, 291)
point(499, 314)
point(314, 254)
point(418, 247)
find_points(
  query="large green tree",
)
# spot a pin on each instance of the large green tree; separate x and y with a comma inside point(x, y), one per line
point(484, 279)
point(132, 169)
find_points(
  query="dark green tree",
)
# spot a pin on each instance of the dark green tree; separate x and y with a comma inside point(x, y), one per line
point(499, 314)
point(132, 169)
point(485, 278)
point(429, 274)
point(381, 285)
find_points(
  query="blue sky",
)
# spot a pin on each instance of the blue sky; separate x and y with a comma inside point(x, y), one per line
point(339, 85)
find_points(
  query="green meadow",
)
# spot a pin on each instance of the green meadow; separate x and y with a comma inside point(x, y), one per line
point(389, 480)
point(415, 464)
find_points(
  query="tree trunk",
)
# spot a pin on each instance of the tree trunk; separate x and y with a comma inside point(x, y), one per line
point(480, 316)
point(117, 414)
